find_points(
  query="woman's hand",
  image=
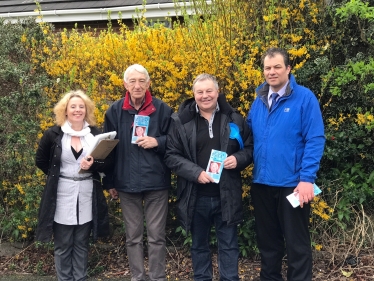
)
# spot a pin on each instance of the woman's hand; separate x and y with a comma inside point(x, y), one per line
point(113, 193)
point(87, 162)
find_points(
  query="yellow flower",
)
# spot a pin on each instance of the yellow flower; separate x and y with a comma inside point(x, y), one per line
point(301, 5)
point(22, 227)
point(23, 38)
point(20, 189)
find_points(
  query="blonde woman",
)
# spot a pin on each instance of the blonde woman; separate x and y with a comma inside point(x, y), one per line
point(72, 204)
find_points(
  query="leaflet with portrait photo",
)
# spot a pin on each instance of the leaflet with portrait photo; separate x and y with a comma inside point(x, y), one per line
point(294, 197)
point(215, 164)
point(140, 128)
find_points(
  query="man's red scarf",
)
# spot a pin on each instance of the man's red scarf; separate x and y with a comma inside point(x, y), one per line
point(147, 107)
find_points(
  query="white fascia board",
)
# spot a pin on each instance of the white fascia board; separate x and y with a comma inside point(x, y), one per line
point(154, 11)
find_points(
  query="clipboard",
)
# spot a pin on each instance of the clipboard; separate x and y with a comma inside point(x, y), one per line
point(103, 145)
point(102, 150)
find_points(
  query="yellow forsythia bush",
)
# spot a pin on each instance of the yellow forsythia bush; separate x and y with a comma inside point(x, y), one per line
point(228, 45)
point(225, 39)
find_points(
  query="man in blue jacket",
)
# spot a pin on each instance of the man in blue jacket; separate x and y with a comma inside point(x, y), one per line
point(288, 134)
point(140, 177)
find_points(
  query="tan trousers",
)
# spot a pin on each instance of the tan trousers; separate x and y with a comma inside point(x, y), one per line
point(153, 207)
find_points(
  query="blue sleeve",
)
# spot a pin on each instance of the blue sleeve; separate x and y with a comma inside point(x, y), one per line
point(314, 137)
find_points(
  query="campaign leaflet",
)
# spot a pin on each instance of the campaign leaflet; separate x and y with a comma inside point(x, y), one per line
point(140, 128)
point(294, 197)
point(215, 164)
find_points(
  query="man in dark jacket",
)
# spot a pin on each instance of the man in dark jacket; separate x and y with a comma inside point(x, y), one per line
point(205, 123)
point(140, 178)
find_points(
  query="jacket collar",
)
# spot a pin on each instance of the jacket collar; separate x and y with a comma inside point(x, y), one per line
point(225, 107)
point(147, 107)
point(263, 89)
point(57, 130)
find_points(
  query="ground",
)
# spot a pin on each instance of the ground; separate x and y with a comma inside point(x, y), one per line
point(108, 262)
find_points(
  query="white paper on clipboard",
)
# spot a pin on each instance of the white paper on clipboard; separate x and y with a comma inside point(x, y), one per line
point(100, 137)
point(101, 146)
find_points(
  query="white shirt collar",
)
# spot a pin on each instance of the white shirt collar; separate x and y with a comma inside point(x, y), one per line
point(281, 92)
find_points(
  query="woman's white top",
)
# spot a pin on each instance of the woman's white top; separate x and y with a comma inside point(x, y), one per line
point(74, 198)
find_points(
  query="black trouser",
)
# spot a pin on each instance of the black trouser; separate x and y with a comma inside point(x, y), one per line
point(277, 223)
point(71, 251)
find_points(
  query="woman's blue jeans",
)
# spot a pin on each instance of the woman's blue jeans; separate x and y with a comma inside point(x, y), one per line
point(208, 211)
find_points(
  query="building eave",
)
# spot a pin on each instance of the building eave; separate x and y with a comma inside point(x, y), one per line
point(152, 11)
